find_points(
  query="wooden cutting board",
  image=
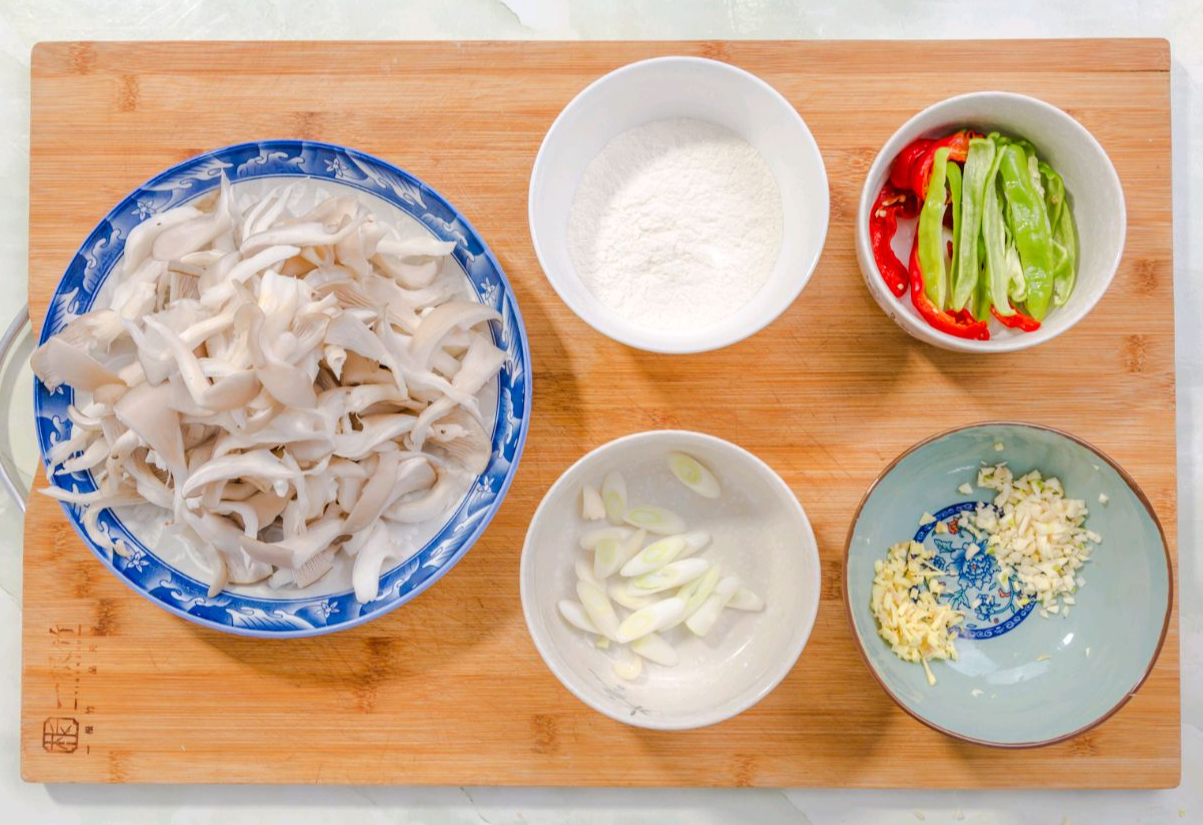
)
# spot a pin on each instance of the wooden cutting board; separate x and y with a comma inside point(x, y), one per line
point(449, 689)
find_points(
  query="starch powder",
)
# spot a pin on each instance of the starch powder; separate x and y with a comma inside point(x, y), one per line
point(676, 224)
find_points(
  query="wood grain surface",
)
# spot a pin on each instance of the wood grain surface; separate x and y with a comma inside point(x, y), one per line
point(449, 689)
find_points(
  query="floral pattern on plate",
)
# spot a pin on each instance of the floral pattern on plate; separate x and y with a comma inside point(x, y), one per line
point(183, 595)
point(970, 576)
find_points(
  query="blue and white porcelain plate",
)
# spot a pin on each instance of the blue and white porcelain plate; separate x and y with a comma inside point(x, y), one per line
point(970, 576)
point(305, 615)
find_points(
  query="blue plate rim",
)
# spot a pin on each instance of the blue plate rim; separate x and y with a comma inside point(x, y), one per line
point(506, 296)
point(1132, 485)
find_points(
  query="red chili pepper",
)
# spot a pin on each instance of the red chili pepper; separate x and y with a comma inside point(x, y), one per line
point(883, 223)
point(900, 169)
point(962, 324)
point(1017, 321)
point(958, 150)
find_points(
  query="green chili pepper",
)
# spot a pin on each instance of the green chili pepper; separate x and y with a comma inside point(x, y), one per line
point(1065, 241)
point(966, 274)
point(1028, 218)
point(954, 198)
point(1018, 289)
point(994, 236)
point(1000, 140)
point(1066, 273)
point(1034, 174)
point(930, 237)
point(1054, 193)
point(981, 298)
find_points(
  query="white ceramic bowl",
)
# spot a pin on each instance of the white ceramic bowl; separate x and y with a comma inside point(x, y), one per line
point(760, 532)
point(1090, 179)
point(692, 87)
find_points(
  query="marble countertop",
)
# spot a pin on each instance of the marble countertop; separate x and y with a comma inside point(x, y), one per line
point(25, 22)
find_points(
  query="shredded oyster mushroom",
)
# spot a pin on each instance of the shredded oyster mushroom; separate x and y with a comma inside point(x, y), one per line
point(285, 386)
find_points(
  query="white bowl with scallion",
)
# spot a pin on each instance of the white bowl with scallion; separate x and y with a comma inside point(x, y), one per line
point(670, 579)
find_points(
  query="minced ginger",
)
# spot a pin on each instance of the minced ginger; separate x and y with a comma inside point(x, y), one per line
point(909, 614)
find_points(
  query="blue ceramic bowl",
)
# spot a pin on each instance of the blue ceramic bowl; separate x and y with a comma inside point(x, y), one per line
point(1002, 690)
point(333, 166)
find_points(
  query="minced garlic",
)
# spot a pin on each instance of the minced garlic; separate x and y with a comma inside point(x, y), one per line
point(908, 612)
point(1039, 536)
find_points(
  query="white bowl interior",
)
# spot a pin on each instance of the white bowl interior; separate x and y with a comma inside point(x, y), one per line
point(1090, 179)
point(759, 532)
point(695, 88)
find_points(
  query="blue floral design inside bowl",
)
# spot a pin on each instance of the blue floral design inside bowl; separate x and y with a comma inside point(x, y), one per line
point(1020, 679)
point(971, 575)
point(338, 166)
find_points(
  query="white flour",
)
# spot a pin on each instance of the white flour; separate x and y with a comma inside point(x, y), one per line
point(675, 224)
